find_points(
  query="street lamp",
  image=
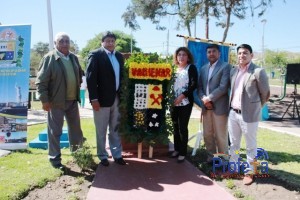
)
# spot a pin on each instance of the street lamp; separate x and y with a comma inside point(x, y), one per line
point(264, 21)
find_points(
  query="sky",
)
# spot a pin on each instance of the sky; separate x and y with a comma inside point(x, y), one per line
point(82, 20)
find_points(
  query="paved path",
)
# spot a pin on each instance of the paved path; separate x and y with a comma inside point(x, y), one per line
point(161, 178)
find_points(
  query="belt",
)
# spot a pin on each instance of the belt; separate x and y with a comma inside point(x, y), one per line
point(237, 110)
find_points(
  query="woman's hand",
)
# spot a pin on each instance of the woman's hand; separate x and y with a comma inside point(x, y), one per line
point(178, 99)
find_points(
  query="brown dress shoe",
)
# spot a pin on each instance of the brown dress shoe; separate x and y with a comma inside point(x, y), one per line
point(248, 179)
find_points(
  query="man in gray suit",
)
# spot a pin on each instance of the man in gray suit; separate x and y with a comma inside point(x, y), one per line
point(249, 92)
point(213, 91)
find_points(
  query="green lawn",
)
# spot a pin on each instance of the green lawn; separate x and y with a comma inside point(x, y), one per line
point(279, 82)
point(23, 170)
point(283, 151)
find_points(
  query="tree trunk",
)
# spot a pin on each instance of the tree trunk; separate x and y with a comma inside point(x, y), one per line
point(189, 29)
point(206, 20)
point(227, 24)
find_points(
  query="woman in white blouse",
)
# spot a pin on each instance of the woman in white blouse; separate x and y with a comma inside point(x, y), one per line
point(185, 83)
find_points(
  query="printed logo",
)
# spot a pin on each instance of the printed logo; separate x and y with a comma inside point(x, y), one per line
point(228, 169)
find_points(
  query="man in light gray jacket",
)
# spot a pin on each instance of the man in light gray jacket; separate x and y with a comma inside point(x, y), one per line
point(249, 92)
point(213, 88)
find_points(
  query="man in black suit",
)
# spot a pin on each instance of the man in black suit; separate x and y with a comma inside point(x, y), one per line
point(103, 76)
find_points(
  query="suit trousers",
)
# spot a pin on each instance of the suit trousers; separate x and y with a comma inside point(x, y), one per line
point(180, 118)
point(55, 123)
point(215, 133)
point(236, 127)
point(108, 117)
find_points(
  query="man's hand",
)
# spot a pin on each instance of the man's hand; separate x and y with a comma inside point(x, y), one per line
point(96, 105)
point(46, 106)
point(209, 105)
point(205, 100)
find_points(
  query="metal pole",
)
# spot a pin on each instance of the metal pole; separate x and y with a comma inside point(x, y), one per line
point(264, 21)
point(168, 44)
point(195, 30)
point(50, 29)
point(131, 42)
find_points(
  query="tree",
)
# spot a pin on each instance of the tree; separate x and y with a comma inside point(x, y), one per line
point(36, 54)
point(210, 9)
point(129, 18)
point(157, 9)
point(41, 48)
point(74, 47)
point(239, 8)
point(122, 44)
point(34, 61)
point(276, 59)
point(187, 10)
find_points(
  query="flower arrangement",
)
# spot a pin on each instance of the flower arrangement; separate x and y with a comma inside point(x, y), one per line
point(145, 101)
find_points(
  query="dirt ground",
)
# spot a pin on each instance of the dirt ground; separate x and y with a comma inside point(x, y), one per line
point(73, 185)
point(261, 189)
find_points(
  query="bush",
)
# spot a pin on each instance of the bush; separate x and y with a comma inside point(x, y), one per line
point(83, 157)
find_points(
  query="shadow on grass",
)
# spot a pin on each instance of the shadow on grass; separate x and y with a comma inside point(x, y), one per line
point(26, 151)
point(288, 180)
point(282, 157)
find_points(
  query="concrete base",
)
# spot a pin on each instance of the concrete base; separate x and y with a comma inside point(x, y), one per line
point(4, 153)
point(37, 143)
point(41, 142)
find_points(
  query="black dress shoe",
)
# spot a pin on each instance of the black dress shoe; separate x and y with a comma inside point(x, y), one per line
point(104, 162)
point(120, 161)
point(58, 166)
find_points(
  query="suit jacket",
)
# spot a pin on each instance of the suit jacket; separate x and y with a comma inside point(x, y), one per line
point(218, 86)
point(100, 77)
point(256, 92)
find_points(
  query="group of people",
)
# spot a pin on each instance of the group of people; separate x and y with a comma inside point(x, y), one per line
point(231, 97)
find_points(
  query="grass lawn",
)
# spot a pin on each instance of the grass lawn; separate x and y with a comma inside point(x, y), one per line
point(283, 151)
point(23, 170)
point(279, 82)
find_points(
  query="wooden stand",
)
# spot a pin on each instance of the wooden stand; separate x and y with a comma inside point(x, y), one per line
point(140, 150)
point(140, 147)
point(150, 151)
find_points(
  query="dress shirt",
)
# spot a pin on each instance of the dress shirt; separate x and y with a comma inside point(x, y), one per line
point(62, 55)
point(238, 87)
point(116, 66)
point(210, 71)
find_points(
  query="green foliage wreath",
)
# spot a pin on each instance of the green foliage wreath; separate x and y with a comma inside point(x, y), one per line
point(135, 135)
